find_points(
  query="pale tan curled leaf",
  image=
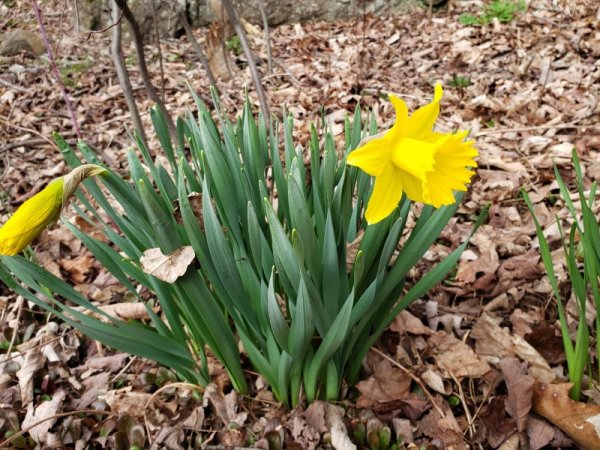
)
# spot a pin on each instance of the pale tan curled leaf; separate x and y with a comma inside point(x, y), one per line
point(433, 379)
point(123, 311)
point(39, 433)
point(167, 267)
point(32, 363)
point(339, 435)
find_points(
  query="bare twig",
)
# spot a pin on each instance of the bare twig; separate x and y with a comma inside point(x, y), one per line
point(536, 127)
point(237, 26)
point(114, 23)
point(13, 86)
point(139, 49)
point(265, 19)
point(28, 130)
point(34, 142)
point(20, 300)
point(124, 80)
point(190, 35)
point(54, 68)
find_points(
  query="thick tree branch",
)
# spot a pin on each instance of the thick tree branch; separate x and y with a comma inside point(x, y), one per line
point(121, 69)
point(237, 26)
point(190, 35)
point(139, 49)
point(265, 19)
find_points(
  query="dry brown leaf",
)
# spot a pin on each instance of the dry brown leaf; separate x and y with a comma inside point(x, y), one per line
point(455, 358)
point(520, 391)
point(167, 267)
point(581, 421)
point(388, 383)
point(110, 363)
point(498, 425)
point(444, 427)
point(540, 433)
point(405, 322)
point(93, 387)
point(225, 406)
point(78, 268)
point(494, 343)
point(127, 401)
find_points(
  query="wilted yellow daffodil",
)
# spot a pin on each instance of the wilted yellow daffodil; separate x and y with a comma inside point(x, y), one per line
point(41, 210)
point(412, 158)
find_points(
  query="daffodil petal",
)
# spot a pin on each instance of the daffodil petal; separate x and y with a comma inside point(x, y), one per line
point(387, 192)
point(451, 172)
point(401, 122)
point(420, 123)
point(31, 218)
point(372, 157)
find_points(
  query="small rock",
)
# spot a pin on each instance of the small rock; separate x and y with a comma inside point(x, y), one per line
point(16, 41)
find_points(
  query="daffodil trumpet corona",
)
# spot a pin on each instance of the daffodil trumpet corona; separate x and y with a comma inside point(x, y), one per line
point(41, 210)
point(411, 158)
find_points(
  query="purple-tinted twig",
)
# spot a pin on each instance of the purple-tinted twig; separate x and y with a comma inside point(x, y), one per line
point(54, 68)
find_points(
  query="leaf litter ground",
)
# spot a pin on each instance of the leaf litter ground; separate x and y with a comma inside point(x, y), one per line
point(460, 368)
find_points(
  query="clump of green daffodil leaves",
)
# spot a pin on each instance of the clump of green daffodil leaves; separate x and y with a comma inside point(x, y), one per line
point(299, 266)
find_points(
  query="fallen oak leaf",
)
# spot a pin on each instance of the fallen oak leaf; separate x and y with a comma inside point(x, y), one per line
point(167, 267)
point(580, 421)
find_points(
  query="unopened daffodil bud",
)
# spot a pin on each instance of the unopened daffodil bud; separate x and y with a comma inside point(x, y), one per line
point(41, 210)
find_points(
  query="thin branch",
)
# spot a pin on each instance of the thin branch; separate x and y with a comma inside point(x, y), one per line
point(123, 76)
point(13, 86)
point(572, 124)
point(237, 26)
point(139, 49)
point(33, 142)
point(190, 35)
point(6, 122)
point(54, 68)
point(266, 37)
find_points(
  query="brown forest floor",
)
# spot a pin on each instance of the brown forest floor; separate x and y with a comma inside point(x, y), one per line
point(457, 369)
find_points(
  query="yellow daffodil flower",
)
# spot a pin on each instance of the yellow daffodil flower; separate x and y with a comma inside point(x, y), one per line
point(412, 158)
point(41, 210)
